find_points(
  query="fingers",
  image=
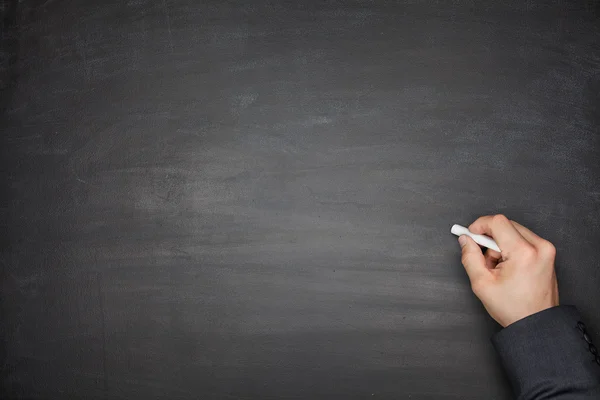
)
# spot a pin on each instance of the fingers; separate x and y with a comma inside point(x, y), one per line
point(500, 228)
point(527, 234)
point(492, 258)
point(543, 247)
point(473, 260)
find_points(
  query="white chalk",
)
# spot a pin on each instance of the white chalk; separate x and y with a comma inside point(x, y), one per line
point(482, 240)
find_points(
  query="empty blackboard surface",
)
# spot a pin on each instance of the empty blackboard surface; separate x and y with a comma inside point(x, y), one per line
point(252, 199)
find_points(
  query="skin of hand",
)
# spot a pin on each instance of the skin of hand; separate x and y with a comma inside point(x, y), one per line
point(519, 281)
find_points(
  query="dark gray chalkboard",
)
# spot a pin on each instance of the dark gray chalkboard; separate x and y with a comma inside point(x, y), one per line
point(252, 199)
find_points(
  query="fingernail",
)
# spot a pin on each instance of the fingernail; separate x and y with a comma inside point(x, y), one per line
point(462, 240)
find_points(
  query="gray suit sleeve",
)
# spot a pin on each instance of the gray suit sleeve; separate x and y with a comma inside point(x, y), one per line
point(550, 355)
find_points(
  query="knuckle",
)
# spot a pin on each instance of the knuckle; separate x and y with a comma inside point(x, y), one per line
point(500, 219)
point(465, 258)
point(547, 249)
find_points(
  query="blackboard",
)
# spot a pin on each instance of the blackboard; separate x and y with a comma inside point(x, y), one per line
point(252, 199)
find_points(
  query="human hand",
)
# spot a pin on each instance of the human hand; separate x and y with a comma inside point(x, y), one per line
point(516, 283)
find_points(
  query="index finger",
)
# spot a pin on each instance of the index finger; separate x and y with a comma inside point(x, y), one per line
point(500, 229)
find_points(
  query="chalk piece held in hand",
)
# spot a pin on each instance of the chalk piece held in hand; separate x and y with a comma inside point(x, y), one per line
point(481, 240)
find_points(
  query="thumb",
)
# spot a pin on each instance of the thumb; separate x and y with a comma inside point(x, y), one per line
point(472, 259)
